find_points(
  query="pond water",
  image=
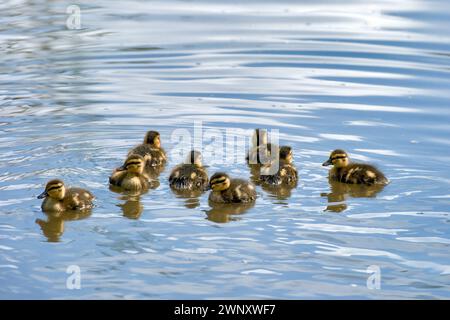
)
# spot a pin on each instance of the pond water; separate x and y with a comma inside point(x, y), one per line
point(371, 79)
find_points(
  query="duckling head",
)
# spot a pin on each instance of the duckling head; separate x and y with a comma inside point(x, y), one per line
point(286, 154)
point(153, 139)
point(54, 189)
point(260, 137)
point(194, 157)
point(220, 181)
point(338, 158)
point(134, 164)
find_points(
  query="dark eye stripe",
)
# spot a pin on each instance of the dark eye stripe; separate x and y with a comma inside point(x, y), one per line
point(54, 187)
point(130, 163)
point(339, 157)
point(219, 180)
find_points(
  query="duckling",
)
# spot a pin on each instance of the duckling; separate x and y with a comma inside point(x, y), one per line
point(58, 198)
point(261, 150)
point(286, 173)
point(131, 176)
point(190, 175)
point(353, 173)
point(226, 190)
point(151, 150)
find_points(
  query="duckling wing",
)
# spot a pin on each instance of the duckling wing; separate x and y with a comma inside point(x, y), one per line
point(363, 174)
point(77, 198)
point(144, 182)
point(373, 176)
point(176, 173)
point(273, 180)
point(242, 191)
point(286, 174)
point(188, 176)
point(142, 150)
point(117, 177)
point(289, 174)
point(180, 177)
point(202, 178)
point(158, 157)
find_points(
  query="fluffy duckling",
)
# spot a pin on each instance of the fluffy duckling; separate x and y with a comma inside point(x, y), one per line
point(131, 176)
point(286, 174)
point(58, 198)
point(354, 173)
point(226, 190)
point(151, 150)
point(190, 175)
point(261, 150)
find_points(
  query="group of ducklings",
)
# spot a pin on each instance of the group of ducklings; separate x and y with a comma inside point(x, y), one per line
point(274, 165)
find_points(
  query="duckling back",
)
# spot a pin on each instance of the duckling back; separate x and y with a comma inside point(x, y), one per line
point(129, 181)
point(286, 175)
point(188, 177)
point(240, 191)
point(356, 173)
point(155, 156)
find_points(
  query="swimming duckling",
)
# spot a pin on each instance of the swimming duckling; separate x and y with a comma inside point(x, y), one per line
point(130, 176)
point(151, 150)
point(353, 173)
point(58, 198)
point(261, 150)
point(286, 173)
point(226, 190)
point(190, 175)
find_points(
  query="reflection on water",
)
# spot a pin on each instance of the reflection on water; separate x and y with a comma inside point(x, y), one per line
point(227, 212)
point(130, 201)
point(341, 191)
point(371, 79)
point(282, 192)
point(191, 197)
point(53, 226)
point(255, 173)
point(132, 207)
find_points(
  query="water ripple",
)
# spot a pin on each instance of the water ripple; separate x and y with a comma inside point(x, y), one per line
point(372, 79)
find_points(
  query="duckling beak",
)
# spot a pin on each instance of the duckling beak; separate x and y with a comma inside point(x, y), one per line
point(327, 163)
point(42, 195)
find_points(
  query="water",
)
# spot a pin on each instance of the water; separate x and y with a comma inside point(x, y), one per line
point(372, 79)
